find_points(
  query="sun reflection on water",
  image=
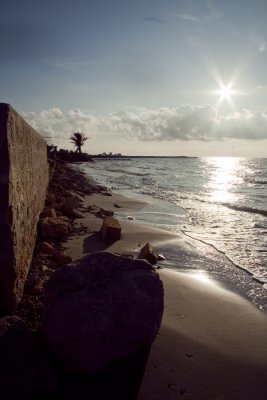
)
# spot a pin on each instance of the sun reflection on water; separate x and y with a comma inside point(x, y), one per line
point(224, 178)
point(201, 276)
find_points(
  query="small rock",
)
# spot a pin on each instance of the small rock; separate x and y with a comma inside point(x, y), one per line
point(54, 228)
point(130, 218)
point(61, 257)
point(46, 248)
point(93, 209)
point(111, 229)
point(148, 253)
point(106, 193)
point(116, 205)
point(105, 213)
point(69, 204)
point(48, 212)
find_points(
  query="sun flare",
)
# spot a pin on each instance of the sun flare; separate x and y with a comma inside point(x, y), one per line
point(226, 92)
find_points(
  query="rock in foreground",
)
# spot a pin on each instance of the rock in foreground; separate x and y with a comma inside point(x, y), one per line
point(26, 373)
point(104, 308)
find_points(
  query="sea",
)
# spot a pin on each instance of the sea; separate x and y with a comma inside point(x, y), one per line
point(218, 204)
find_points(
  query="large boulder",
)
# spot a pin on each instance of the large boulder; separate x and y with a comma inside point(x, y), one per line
point(102, 309)
point(26, 372)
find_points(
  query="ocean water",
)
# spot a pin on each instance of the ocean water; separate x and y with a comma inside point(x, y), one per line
point(220, 204)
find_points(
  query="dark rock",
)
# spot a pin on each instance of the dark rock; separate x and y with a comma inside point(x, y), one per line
point(61, 257)
point(105, 213)
point(104, 308)
point(26, 373)
point(106, 193)
point(48, 212)
point(116, 205)
point(69, 204)
point(46, 248)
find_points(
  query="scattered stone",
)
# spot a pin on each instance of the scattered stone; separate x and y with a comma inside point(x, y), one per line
point(117, 205)
point(37, 290)
point(61, 257)
point(148, 253)
point(101, 309)
point(93, 209)
point(106, 213)
point(68, 205)
point(106, 193)
point(54, 228)
point(100, 212)
point(46, 248)
point(76, 214)
point(161, 257)
point(48, 212)
point(130, 218)
point(26, 372)
point(111, 229)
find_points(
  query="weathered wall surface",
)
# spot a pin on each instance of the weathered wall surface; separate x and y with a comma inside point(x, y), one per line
point(23, 185)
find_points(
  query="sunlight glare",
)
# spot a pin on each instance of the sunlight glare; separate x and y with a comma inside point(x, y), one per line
point(201, 276)
point(226, 92)
point(224, 177)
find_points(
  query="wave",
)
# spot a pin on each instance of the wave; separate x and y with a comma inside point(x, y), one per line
point(256, 181)
point(122, 171)
point(261, 182)
point(245, 209)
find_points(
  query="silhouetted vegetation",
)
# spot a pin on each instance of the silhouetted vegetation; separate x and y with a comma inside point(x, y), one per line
point(78, 139)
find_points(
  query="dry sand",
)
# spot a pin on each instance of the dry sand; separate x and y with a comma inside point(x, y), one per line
point(212, 343)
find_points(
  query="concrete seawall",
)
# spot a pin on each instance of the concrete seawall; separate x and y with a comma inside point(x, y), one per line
point(23, 183)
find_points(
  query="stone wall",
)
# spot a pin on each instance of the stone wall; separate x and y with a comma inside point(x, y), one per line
point(23, 184)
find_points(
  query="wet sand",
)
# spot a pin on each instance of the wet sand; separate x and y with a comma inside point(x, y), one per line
point(212, 343)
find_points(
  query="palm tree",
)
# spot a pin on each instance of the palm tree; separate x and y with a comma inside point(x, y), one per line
point(78, 139)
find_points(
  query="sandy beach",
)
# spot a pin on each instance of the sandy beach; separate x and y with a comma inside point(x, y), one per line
point(212, 343)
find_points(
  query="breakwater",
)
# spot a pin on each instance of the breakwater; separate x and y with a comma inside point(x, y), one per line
point(24, 177)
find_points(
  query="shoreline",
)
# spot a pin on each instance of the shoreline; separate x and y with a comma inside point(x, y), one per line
point(212, 342)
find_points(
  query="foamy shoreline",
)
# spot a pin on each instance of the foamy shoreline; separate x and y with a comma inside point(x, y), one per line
point(212, 342)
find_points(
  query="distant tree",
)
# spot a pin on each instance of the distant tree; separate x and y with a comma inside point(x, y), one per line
point(78, 139)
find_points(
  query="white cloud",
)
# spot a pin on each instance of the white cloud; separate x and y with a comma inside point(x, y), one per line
point(68, 63)
point(205, 14)
point(57, 125)
point(259, 42)
point(185, 123)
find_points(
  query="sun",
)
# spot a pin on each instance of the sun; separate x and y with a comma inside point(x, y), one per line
point(226, 92)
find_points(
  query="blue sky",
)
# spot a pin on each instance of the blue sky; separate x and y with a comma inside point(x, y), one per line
point(140, 77)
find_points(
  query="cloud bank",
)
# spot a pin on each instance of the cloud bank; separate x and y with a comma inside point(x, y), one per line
point(185, 123)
